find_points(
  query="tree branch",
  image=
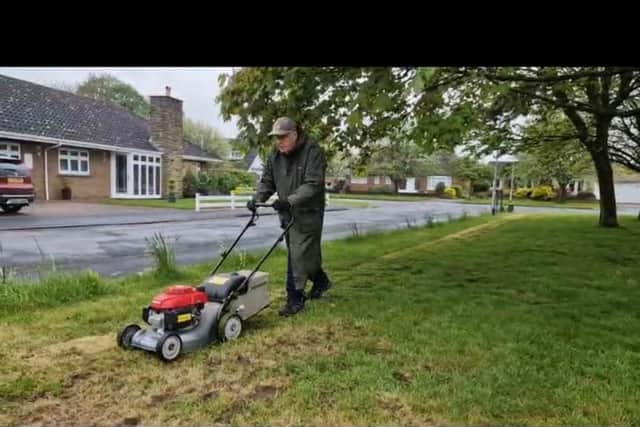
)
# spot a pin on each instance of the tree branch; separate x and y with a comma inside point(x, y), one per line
point(624, 90)
point(557, 79)
point(572, 114)
point(564, 103)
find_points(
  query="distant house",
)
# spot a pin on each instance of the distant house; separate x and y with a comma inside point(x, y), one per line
point(96, 148)
point(418, 184)
point(245, 158)
point(253, 162)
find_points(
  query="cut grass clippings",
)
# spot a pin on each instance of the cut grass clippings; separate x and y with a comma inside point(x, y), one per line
point(570, 204)
point(492, 320)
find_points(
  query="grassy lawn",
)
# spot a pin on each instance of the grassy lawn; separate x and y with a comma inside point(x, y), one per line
point(495, 320)
point(475, 200)
point(539, 203)
point(189, 204)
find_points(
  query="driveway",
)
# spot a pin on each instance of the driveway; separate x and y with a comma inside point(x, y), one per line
point(67, 214)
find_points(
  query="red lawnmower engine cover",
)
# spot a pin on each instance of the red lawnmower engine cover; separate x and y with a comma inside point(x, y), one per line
point(178, 296)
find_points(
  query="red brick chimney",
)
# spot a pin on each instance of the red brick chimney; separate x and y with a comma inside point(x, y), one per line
point(166, 133)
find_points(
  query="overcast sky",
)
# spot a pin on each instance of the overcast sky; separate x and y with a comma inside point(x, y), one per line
point(196, 86)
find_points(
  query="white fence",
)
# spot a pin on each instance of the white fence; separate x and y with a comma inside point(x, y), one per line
point(232, 201)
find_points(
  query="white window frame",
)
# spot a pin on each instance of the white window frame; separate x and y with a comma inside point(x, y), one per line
point(359, 180)
point(151, 160)
point(77, 156)
point(9, 152)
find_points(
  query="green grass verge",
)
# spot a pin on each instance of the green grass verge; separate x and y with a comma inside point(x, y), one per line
point(538, 203)
point(493, 321)
point(189, 204)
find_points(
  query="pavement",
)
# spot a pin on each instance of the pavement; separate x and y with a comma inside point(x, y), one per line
point(112, 239)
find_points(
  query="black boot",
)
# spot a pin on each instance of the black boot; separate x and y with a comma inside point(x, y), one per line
point(321, 284)
point(295, 303)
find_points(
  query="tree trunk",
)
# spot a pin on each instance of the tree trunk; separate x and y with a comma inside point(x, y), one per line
point(562, 194)
point(608, 209)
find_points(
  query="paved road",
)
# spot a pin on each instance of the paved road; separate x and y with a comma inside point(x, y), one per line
point(116, 245)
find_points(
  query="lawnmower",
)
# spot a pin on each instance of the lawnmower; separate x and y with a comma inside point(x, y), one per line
point(187, 318)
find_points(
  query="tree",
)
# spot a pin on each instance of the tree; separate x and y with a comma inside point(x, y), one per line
point(590, 99)
point(340, 164)
point(64, 86)
point(439, 108)
point(565, 165)
point(396, 159)
point(471, 170)
point(207, 137)
point(562, 159)
point(108, 88)
point(354, 107)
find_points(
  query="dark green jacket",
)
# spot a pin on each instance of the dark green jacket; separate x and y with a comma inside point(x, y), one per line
point(300, 179)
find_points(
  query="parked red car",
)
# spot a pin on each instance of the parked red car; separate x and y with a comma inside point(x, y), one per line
point(16, 188)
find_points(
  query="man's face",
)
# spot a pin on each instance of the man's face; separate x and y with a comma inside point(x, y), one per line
point(287, 142)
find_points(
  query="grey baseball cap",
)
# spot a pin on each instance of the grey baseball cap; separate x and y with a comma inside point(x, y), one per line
point(283, 126)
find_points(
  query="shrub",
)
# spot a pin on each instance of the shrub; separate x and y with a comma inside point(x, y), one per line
point(450, 193)
point(382, 189)
point(542, 192)
point(243, 190)
point(522, 193)
point(458, 190)
point(479, 187)
point(223, 181)
point(189, 184)
point(440, 187)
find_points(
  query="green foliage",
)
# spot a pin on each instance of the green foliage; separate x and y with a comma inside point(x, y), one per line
point(223, 181)
point(480, 187)
point(440, 187)
point(382, 189)
point(108, 88)
point(207, 137)
point(323, 99)
point(542, 192)
point(189, 184)
point(163, 254)
point(244, 190)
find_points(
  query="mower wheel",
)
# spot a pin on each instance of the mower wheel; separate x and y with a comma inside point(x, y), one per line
point(169, 347)
point(125, 335)
point(230, 327)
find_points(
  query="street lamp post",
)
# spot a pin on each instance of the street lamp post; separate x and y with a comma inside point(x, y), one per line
point(500, 161)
